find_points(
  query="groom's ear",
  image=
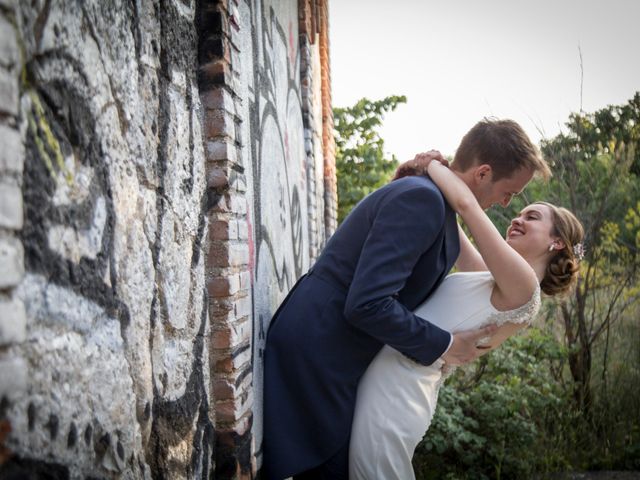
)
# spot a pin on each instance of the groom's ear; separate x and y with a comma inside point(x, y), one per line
point(482, 173)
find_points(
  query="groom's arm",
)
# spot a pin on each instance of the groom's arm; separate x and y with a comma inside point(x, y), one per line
point(404, 228)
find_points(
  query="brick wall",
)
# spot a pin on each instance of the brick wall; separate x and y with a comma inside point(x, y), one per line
point(269, 154)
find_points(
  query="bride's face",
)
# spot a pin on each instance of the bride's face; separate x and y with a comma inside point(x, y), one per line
point(530, 233)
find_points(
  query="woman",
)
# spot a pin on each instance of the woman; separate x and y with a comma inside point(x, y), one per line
point(500, 285)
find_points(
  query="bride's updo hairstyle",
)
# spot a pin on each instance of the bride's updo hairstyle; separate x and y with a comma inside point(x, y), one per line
point(562, 270)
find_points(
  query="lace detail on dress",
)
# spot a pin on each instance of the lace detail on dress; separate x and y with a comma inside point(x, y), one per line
point(523, 314)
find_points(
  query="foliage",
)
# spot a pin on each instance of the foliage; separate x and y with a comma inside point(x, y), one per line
point(361, 164)
point(562, 397)
point(491, 416)
point(595, 166)
point(566, 399)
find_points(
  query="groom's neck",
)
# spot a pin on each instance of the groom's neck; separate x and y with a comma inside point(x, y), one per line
point(466, 176)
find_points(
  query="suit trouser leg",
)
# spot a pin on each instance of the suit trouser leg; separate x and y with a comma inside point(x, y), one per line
point(336, 468)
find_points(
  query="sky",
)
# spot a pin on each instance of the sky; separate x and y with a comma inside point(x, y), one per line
point(458, 61)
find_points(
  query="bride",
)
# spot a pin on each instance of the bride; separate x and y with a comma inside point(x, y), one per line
point(498, 285)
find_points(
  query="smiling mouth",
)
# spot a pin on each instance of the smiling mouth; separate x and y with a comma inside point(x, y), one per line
point(514, 232)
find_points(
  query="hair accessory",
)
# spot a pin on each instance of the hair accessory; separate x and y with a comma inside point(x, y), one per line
point(579, 251)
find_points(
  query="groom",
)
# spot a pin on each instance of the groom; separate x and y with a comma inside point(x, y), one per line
point(386, 258)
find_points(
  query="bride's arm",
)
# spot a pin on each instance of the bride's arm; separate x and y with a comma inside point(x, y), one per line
point(514, 277)
point(501, 334)
point(469, 259)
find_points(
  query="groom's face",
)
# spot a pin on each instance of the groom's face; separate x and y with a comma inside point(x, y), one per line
point(502, 191)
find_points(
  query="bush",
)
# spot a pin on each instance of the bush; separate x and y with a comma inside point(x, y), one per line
point(503, 417)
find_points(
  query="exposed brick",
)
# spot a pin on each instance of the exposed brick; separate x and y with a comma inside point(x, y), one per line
point(11, 262)
point(231, 335)
point(238, 181)
point(219, 307)
point(243, 306)
point(217, 177)
point(221, 316)
point(12, 151)
point(226, 362)
point(245, 280)
point(224, 286)
point(229, 411)
point(11, 215)
point(218, 287)
point(222, 206)
point(212, 19)
point(243, 424)
point(222, 149)
point(243, 230)
point(219, 99)
point(238, 255)
point(238, 204)
point(214, 47)
point(223, 230)
point(228, 388)
point(13, 322)
point(213, 75)
point(219, 123)
point(218, 254)
point(223, 364)
point(226, 411)
point(223, 389)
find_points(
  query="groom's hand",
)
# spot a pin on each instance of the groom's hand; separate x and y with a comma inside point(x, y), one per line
point(418, 166)
point(468, 345)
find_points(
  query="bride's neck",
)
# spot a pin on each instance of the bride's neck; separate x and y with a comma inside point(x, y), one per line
point(539, 266)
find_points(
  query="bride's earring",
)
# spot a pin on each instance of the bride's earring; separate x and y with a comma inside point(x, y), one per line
point(551, 247)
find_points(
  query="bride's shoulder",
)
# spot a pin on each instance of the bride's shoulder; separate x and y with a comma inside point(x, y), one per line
point(512, 312)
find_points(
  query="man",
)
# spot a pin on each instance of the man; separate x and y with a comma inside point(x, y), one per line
point(386, 258)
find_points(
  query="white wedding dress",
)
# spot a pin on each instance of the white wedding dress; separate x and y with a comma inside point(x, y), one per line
point(397, 396)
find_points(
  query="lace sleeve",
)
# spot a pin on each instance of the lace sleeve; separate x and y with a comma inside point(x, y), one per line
point(523, 314)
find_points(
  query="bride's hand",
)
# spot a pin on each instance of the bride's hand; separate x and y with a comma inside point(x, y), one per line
point(468, 345)
point(418, 166)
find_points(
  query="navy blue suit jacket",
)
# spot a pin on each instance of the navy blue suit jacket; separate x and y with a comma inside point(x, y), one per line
point(385, 259)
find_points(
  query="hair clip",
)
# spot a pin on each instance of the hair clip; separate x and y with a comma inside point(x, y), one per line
point(579, 251)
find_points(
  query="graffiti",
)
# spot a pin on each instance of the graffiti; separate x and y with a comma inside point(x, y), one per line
point(115, 219)
point(60, 215)
point(276, 120)
point(278, 173)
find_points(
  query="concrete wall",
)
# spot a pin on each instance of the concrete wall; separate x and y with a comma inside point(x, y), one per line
point(105, 121)
point(166, 174)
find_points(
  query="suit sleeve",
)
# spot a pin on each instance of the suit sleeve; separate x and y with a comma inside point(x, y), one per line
point(405, 226)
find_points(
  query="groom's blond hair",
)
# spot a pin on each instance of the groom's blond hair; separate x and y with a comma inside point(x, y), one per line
point(503, 145)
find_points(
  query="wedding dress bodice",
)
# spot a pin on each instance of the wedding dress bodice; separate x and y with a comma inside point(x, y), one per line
point(397, 397)
point(463, 302)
